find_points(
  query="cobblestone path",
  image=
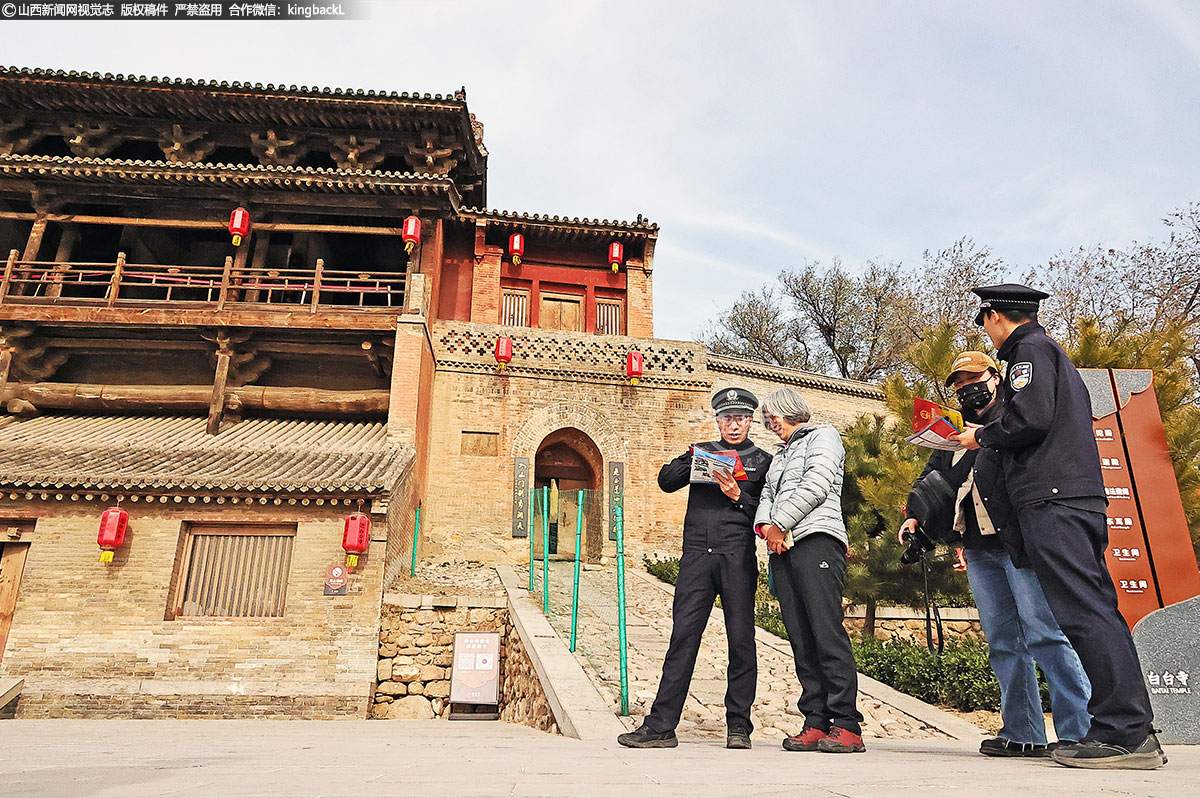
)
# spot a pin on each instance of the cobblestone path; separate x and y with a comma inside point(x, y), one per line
point(648, 628)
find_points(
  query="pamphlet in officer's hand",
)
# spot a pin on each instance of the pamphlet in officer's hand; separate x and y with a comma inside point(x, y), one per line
point(706, 464)
point(925, 413)
point(937, 436)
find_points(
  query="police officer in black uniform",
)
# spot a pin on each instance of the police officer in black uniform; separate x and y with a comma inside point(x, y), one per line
point(718, 560)
point(1051, 465)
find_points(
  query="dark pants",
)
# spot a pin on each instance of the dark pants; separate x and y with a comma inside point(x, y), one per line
point(703, 577)
point(1066, 549)
point(808, 582)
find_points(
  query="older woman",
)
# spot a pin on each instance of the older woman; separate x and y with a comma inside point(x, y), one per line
point(800, 515)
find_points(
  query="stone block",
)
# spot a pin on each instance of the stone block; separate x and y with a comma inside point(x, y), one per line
point(410, 708)
point(424, 640)
point(426, 617)
point(388, 650)
point(405, 673)
point(390, 688)
point(438, 689)
point(383, 670)
point(431, 673)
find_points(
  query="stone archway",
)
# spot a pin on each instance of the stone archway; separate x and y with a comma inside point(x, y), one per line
point(554, 427)
point(569, 467)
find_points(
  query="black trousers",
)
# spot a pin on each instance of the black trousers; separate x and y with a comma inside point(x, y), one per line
point(808, 583)
point(703, 577)
point(1066, 550)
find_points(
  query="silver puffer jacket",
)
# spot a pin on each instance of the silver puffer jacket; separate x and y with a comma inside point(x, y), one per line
point(803, 489)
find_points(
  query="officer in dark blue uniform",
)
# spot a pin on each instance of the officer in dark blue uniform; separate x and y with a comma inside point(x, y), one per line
point(1048, 450)
point(718, 560)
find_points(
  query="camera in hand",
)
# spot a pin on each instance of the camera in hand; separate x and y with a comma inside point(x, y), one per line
point(931, 503)
point(919, 545)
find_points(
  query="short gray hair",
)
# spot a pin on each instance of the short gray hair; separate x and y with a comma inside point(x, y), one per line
point(788, 404)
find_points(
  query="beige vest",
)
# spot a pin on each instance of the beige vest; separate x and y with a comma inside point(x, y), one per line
point(986, 527)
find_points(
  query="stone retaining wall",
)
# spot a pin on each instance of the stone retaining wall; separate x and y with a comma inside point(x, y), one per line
point(416, 650)
point(901, 623)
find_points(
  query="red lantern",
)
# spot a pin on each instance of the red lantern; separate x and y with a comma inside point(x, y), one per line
point(503, 351)
point(411, 233)
point(633, 367)
point(239, 225)
point(616, 254)
point(516, 248)
point(356, 537)
point(113, 523)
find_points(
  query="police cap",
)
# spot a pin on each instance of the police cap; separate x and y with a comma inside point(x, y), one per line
point(1008, 296)
point(734, 400)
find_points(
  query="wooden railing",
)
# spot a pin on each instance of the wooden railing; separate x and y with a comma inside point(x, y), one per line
point(121, 283)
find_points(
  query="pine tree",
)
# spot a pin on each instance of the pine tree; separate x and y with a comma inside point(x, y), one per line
point(880, 470)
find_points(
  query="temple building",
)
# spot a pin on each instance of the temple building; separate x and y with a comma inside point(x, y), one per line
point(233, 316)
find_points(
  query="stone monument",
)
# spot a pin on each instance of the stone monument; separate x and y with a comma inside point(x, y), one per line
point(1168, 644)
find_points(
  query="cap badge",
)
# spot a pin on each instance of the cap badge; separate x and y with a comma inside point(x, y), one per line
point(731, 395)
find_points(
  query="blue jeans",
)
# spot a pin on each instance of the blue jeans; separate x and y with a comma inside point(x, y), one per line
point(1020, 628)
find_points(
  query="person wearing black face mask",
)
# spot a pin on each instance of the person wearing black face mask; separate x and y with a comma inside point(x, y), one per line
point(1014, 615)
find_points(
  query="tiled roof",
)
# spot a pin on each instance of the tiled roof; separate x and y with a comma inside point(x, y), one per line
point(642, 226)
point(179, 83)
point(174, 453)
point(339, 181)
point(788, 376)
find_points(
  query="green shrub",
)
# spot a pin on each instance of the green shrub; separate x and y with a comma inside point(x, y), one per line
point(666, 569)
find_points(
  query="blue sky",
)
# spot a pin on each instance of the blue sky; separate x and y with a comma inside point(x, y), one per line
point(760, 135)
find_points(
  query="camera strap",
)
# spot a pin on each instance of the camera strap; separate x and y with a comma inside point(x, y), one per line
point(932, 615)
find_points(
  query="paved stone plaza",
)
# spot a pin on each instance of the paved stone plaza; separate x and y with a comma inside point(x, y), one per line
point(648, 613)
point(130, 759)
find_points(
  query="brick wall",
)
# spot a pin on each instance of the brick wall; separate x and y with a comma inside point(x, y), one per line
point(560, 380)
point(90, 639)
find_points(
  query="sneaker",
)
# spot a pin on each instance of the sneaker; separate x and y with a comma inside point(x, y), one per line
point(1147, 755)
point(998, 746)
point(738, 737)
point(643, 737)
point(841, 741)
point(806, 740)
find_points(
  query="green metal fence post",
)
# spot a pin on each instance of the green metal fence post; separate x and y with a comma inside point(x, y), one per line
point(533, 506)
point(619, 518)
point(412, 568)
point(546, 555)
point(575, 589)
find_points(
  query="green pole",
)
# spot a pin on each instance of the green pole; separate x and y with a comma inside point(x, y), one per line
point(412, 569)
point(619, 517)
point(575, 589)
point(546, 554)
point(533, 505)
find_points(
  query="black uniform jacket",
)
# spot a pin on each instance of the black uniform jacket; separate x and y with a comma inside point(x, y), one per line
point(713, 523)
point(1044, 431)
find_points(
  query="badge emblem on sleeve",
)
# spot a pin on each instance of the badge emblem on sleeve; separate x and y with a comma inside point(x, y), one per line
point(1021, 375)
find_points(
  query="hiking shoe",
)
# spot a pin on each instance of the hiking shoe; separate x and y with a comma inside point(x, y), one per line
point(998, 746)
point(841, 741)
point(1147, 755)
point(642, 737)
point(806, 740)
point(738, 737)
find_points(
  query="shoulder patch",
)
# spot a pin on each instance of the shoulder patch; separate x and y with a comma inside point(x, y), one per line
point(1020, 375)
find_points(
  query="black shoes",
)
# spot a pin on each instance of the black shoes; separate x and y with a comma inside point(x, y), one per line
point(998, 746)
point(738, 737)
point(1147, 755)
point(642, 737)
